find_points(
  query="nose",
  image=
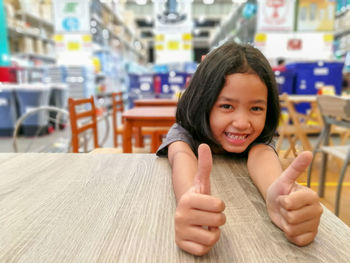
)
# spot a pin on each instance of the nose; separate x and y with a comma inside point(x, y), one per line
point(241, 121)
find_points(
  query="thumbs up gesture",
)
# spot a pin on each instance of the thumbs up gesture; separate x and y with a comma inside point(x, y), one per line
point(198, 214)
point(294, 208)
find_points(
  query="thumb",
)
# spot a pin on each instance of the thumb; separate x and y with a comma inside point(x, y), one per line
point(296, 168)
point(205, 163)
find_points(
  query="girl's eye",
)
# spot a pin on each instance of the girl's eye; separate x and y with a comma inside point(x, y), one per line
point(257, 108)
point(226, 106)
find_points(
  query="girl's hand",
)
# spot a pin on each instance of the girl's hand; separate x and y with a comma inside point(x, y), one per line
point(199, 215)
point(294, 208)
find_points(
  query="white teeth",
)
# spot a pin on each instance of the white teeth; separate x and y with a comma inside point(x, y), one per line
point(236, 137)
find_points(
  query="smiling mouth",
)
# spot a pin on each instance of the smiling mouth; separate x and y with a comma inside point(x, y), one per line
point(236, 139)
point(235, 136)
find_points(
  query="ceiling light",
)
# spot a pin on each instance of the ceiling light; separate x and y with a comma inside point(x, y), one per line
point(141, 2)
point(208, 2)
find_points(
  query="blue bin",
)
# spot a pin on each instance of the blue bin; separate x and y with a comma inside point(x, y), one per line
point(310, 76)
point(140, 86)
point(285, 81)
point(8, 110)
point(58, 98)
point(172, 82)
point(31, 96)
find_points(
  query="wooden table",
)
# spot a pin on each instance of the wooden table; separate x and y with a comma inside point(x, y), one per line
point(298, 126)
point(146, 117)
point(155, 102)
point(120, 208)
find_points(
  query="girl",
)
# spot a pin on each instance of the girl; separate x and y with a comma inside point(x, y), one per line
point(231, 107)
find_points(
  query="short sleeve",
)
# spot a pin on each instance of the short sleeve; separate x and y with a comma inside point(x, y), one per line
point(176, 133)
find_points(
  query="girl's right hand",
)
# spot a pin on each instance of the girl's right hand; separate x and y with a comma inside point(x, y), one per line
point(198, 214)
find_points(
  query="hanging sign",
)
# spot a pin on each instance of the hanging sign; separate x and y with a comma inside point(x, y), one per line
point(275, 15)
point(316, 15)
point(173, 27)
point(72, 15)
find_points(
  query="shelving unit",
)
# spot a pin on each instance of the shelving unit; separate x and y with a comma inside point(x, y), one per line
point(342, 32)
point(30, 38)
point(235, 28)
point(116, 35)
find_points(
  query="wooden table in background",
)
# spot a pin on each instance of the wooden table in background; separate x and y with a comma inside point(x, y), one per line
point(146, 117)
point(120, 208)
point(155, 102)
point(298, 125)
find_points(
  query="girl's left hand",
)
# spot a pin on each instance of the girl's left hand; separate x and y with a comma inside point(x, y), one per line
point(294, 208)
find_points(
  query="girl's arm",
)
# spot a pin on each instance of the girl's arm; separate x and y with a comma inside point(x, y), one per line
point(184, 167)
point(264, 166)
point(293, 208)
point(198, 215)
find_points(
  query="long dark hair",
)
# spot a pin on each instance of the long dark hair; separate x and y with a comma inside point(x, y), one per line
point(195, 104)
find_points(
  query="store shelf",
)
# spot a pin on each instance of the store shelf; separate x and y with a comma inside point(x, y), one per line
point(126, 35)
point(35, 56)
point(34, 20)
point(342, 12)
point(19, 32)
point(235, 27)
point(338, 34)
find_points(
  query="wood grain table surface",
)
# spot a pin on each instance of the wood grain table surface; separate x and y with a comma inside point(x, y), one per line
point(120, 208)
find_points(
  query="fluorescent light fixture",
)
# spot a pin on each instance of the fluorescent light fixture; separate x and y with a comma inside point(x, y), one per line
point(141, 2)
point(208, 2)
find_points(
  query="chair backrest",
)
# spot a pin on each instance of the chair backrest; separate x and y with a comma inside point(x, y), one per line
point(79, 127)
point(334, 109)
point(117, 101)
point(117, 107)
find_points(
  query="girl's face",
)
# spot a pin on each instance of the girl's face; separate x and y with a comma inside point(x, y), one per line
point(238, 115)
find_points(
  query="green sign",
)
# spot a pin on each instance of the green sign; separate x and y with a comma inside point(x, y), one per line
point(4, 50)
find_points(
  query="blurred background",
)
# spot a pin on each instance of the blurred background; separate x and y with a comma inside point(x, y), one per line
point(54, 49)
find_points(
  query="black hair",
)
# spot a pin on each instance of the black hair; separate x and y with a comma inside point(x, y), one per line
point(197, 101)
point(280, 61)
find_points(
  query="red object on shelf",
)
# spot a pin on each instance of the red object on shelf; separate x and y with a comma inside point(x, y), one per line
point(8, 74)
point(157, 85)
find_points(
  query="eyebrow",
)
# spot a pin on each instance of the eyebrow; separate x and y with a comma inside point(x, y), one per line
point(257, 101)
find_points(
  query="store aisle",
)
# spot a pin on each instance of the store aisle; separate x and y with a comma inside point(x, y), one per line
point(43, 142)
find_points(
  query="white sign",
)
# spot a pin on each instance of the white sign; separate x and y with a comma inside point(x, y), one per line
point(173, 27)
point(72, 15)
point(311, 46)
point(275, 15)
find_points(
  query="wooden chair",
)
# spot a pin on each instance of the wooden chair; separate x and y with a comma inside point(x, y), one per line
point(335, 111)
point(156, 134)
point(117, 109)
point(295, 126)
point(77, 125)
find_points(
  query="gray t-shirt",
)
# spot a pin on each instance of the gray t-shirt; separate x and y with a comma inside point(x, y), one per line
point(178, 133)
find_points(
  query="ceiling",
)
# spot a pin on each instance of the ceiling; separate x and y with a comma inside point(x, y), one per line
point(206, 19)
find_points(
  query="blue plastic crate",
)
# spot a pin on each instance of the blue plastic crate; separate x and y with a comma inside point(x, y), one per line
point(8, 110)
point(310, 76)
point(285, 81)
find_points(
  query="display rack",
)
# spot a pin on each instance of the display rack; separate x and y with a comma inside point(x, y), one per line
point(30, 38)
point(120, 36)
point(235, 28)
point(342, 32)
